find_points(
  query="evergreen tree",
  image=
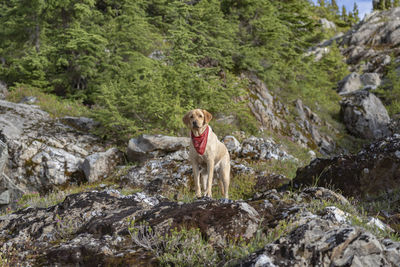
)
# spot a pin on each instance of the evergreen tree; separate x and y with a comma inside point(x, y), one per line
point(356, 13)
point(344, 16)
point(334, 7)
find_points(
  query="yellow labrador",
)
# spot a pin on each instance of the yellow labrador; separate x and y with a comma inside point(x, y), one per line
point(207, 153)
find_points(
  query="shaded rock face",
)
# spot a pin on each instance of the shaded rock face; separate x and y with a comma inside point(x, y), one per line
point(365, 116)
point(92, 229)
point(42, 152)
point(374, 170)
point(272, 115)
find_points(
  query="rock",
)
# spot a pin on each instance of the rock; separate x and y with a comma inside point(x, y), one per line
point(268, 110)
point(28, 100)
point(371, 80)
point(365, 116)
point(374, 170)
point(9, 192)
point(93, 226)
point(326, 24)
point(99, 165)
point(317, 242)
point(323, 194)
point(369, 44)
point(354, 82)
point(80, 123)
point(263, 149)
point(309, 122)
point(5, 197)
point(3, 90)
point(159, 175)
point(272, 115)
point(240, 219)
point(350, 83)
point(232, 144)
point(42, 152)
point(148, 146)
point(265, 182)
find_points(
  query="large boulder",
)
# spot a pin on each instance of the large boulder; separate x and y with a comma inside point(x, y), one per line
point(149, 146)
point(369, 173)
point(101, 164)
point(365, 116)
point(42, 152)
point(355, 81)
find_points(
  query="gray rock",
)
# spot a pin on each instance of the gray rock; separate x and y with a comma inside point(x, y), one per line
point(148, 146)
point(266, 108)
point(263, 149)
point(365, 116)
point(350, 83)
point(5, 198)
point(371, 79)
point(354, 82)
point(232, 144)
point(80, 123)
point(42, 152)
point(28, 100)
point(3, 90)
point(327, 244)
point(99, 165)
point(326, 24)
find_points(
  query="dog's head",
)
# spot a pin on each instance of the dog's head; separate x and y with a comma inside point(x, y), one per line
point(197, 118)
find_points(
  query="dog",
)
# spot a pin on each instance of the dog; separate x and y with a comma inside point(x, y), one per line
point(207, 154)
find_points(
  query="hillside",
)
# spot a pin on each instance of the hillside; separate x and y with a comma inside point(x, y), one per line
point(94, 163)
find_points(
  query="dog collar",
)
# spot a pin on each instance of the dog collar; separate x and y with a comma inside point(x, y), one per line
point(200, 142)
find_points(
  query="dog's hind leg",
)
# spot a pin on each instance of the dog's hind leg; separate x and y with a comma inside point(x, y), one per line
point(204, 179)
point(225, 171)
point(210, 174)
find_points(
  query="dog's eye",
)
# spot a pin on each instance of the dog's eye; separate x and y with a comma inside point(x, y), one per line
point(201, 116)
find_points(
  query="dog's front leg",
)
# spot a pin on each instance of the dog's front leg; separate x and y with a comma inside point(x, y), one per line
point(196, 174)
point(210, 170)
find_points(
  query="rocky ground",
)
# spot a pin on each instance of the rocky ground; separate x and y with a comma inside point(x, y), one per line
point(135, 206)
point(278, 225)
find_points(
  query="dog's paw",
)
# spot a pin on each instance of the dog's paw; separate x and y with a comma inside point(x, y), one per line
point(225, 201)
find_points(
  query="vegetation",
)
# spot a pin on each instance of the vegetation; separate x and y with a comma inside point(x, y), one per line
point(140, 65)
point(389, 91)
point(188, 247)
point(385, 4)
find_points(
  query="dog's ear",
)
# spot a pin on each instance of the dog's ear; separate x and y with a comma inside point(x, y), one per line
point(186, 119)
point(207, 116)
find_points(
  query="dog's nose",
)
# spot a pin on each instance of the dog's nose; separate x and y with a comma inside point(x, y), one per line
point(195, 124)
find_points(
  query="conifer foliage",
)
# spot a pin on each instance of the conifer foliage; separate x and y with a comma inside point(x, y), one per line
point(140, 64)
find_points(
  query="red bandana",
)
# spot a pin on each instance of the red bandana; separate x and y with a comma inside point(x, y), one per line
point(200, 142)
